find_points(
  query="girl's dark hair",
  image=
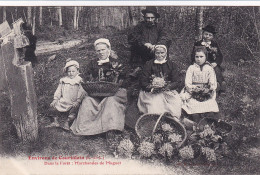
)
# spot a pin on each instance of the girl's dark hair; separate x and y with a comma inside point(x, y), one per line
point(201, 49)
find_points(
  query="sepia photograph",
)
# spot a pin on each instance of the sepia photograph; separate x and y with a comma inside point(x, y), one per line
point(128, 87)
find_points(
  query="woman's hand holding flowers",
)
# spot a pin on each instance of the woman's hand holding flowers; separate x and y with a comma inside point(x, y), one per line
point(157, 85)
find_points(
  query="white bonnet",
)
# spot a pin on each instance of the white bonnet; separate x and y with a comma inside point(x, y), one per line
point(71, 63)
point(102, 40)
point(160, 46)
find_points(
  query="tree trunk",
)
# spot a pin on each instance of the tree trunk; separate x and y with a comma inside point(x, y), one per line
point(75, 18)
point(34, 22)
point(77, 21)
point(256, 16)
point(16, 13)
point(40, 15)
point(199, 22)
point(60, 16)
point(29, 15)
point(65, 17)
point(4, 14)
point(50, 16)
point(20, 83)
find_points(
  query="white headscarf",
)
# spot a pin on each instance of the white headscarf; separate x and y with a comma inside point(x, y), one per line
point(165, 58)
point(103, 41)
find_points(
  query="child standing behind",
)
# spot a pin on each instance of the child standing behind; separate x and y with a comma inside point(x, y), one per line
point(199, 94)
point(68, 95)
point(215, 56)
point(29, 51)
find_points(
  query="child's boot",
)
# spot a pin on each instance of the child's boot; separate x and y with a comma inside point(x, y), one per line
point(71, 117)
point(55, 123)
point(66, 125)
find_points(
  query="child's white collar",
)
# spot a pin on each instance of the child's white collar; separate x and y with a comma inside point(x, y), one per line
point(76, 80)
point(204, 43)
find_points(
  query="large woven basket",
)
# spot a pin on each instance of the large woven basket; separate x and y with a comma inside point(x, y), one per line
point(100, 89)
point(148, 124)
point(221, 126)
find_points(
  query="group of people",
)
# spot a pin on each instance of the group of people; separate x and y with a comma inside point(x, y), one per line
point(159, 81)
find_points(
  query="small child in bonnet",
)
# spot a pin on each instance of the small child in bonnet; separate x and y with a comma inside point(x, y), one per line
point(68, 96)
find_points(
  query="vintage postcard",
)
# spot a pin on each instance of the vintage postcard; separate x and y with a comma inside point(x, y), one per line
point(129, 87)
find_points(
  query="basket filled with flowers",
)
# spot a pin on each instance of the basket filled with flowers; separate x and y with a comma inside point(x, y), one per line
point(222, 128)
point(107, 83)
point(161, 129)
point(170, 130)
point(100, 89)
point(145, 125)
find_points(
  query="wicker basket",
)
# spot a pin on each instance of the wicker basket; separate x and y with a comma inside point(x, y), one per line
point(100, 89)
point(221, 126)
point(145, 125)
point(148, 124)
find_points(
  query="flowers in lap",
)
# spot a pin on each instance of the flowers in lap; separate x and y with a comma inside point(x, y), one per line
point(201, 93)
point(158, 84)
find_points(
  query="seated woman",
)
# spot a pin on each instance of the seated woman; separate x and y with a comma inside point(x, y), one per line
point(199, 94)
point(159, 82)
point(98, 115)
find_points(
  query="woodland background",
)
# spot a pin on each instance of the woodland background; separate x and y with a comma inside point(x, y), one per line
point(239, 39)
point(239, 25)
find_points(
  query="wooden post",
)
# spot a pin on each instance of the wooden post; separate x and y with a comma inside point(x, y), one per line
point(3, 84)
point(20, 83)
point(4, 30)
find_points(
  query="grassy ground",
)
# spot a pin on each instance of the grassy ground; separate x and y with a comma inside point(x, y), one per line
point(239, 106)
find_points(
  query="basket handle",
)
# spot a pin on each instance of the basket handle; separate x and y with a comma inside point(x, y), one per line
point(185, 132)
point(156, 124)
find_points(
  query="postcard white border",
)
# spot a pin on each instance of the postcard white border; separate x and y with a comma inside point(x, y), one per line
point(129, 3)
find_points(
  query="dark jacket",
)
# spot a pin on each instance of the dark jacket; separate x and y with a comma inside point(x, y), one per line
point(109, 73)
point(213, 56)
point(142, 34)
point(168, 70)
